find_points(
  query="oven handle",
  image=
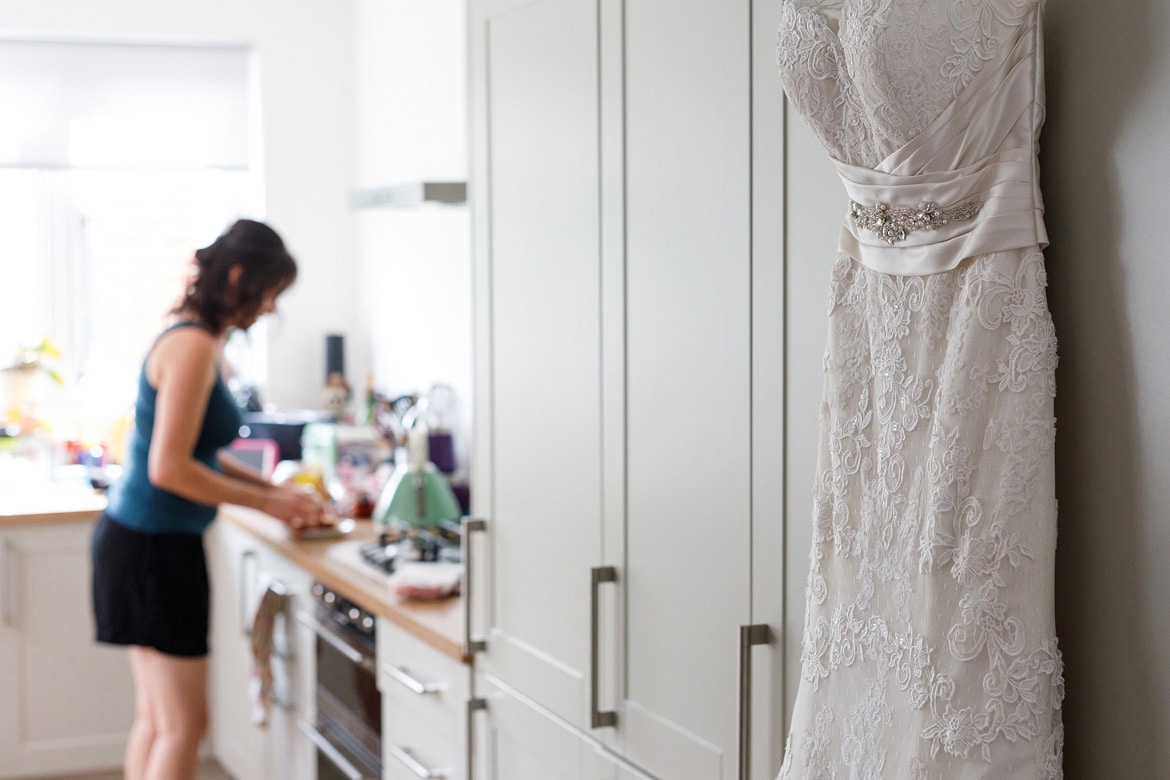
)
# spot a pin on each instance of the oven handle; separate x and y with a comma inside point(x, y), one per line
point(326, 747)
point(336, 642)
point(419, 769)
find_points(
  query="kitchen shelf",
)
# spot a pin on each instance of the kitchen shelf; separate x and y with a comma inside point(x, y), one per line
point(410, 194)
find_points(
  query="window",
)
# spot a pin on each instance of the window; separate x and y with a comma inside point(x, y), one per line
point(116, 162)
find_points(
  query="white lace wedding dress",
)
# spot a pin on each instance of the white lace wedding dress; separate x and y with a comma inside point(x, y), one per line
point(929, 646)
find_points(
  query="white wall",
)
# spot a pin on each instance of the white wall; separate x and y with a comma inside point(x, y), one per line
point(1105, 165)
point(415, 262)
point(306, 64)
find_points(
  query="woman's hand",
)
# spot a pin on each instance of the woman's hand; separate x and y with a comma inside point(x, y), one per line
point(295, 508)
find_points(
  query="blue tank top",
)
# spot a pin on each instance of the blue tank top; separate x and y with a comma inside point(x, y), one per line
point(136, 503)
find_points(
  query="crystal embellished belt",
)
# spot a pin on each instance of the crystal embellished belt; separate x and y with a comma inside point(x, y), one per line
point(893, 224)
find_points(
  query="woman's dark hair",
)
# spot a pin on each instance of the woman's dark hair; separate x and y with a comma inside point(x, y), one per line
point(266, 268)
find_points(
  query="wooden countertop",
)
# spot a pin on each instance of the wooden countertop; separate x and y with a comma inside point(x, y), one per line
point(51, 503)
point(438, 623)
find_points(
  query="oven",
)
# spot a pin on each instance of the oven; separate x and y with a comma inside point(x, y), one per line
point(347, 731)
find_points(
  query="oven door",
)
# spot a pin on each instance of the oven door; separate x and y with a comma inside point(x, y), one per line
point(348, 725)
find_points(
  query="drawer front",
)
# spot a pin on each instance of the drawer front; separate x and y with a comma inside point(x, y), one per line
point(424, 707)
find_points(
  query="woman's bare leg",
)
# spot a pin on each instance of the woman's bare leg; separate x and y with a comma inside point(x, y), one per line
point(142, 732)
point(176, 688)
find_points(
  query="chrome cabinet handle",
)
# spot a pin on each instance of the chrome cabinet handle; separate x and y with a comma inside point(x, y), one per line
point(749, 637)
point(6, 558)
point(470, 526)
point(407, 758)
point(473, 706)
point(326, 747)
point(598, 718)
point(413, 683)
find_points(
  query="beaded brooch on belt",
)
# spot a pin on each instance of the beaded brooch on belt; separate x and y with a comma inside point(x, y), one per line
point(893, 224)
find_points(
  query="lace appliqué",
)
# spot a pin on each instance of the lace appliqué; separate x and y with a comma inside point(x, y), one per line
point(880, 76)
point(911, 523)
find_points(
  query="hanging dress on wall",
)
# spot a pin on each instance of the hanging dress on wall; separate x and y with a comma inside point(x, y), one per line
point(929, 646)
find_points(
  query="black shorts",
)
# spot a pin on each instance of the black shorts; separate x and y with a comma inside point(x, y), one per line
point(150, 590)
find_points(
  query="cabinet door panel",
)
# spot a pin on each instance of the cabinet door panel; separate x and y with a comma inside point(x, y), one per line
point(545, 346)
point(523, 744)
point(233, 560)
point(66, 703)
point(688, 369)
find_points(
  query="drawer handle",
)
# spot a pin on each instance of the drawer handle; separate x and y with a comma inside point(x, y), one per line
point(413, 683)
point(408, 760)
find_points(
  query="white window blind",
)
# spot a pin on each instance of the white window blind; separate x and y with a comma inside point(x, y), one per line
point(69, 104)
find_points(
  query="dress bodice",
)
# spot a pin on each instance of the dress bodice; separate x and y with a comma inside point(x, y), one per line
point(931, 111)
point(870, 75)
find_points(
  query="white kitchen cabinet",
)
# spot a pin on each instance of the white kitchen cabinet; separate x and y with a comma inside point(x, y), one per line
point(542, 431)
point(424, 708)
point(630, 377)
point(241, 568)
point(66, 703)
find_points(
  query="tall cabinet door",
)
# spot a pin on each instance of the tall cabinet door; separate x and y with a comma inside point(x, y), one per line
point(538, 466)
point(687, 583)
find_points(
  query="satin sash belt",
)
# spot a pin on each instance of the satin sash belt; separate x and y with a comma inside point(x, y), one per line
point(1011, 216)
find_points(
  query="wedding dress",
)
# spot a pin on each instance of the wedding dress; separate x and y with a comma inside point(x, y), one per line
point(929, 646)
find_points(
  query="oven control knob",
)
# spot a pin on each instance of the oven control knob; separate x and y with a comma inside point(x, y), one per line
point(368, 623)
point(330, 597)
point(318, 590)
point(354, 613)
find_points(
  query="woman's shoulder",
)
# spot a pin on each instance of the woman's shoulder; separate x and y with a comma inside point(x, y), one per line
point(187, 348)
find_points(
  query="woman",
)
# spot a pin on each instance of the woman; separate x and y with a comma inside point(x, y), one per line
point(150, 586)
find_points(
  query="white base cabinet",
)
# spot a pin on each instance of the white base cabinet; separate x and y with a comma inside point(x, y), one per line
point(66, 703)
point(424, 708)
point(241, 569)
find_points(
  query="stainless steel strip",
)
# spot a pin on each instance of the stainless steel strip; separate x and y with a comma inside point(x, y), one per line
point(749, 637)
point(598, 717)
point(408, 760)
point(326, 747)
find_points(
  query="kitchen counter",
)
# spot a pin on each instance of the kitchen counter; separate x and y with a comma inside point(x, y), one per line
point(52, 503)
point(438, 623)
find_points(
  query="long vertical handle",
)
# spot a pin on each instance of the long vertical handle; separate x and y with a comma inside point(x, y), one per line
point(245, 588)
point(749, 637)
point(470, 526)
point(473, 706)
point(6, 559)
point(598, 717)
